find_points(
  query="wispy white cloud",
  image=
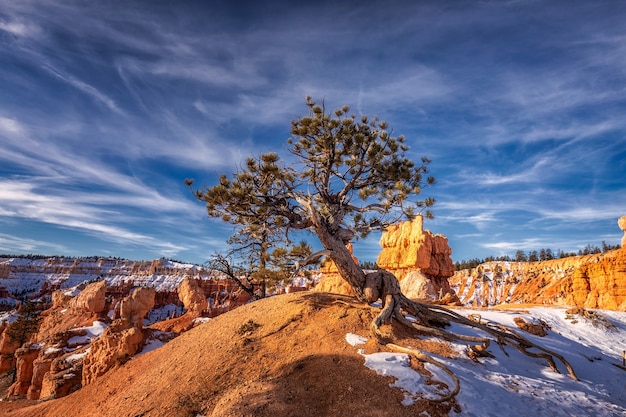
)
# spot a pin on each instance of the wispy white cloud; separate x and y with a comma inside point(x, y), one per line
point(85, 88)
point(21, 29)
point(11, 127)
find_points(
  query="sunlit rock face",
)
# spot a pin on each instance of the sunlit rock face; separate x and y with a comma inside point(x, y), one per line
point(192, 296)
point(420, 260)
point(590, 281)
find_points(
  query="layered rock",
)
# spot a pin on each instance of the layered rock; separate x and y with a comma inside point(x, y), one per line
point(590, 281)
point(419, 259)
point(407, 247)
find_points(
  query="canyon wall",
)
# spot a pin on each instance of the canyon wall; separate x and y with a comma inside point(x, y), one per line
point(590, 281)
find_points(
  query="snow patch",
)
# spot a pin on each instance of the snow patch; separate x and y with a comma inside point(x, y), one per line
point(355, 339)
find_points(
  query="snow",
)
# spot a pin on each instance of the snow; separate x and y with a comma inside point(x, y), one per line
point(514, 384)
point(355, 339)
point(161, 313)
point(76, 356)
point(151, 344)
point(93, 331)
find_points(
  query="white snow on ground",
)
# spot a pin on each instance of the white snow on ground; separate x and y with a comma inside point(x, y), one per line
point(151, 344)
point(513, 384)
point(355, 339)
point(76, 356)
point(93, 331)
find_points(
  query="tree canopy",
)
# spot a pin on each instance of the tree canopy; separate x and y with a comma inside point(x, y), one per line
point(350, 176)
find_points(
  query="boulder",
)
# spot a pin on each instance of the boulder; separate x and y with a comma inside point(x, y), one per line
point(117, 344)
point(418, 286)
point(192, 296)
point(92, 298)
point(136, 305)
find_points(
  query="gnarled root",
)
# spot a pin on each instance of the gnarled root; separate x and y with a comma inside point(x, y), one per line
point(429, 359)
point(430, 320)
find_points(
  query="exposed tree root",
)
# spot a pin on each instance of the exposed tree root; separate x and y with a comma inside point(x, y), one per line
point(429, 359)
point(431, 320)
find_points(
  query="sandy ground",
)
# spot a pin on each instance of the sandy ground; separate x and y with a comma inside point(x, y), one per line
point(281, 356)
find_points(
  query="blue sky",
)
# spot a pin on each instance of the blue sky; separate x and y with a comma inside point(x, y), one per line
point(106, 107)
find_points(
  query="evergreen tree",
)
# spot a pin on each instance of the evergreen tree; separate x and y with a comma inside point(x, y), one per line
point(26, 324)
point(350, 177)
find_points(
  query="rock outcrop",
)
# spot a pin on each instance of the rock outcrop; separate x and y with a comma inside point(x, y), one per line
point(420, 260)
point(115, 346)
point(407, 247)
point(25, 355)
point(92, 298)
point(135, 306)
point(123, 339)
point(7, 349)
point(192, 296)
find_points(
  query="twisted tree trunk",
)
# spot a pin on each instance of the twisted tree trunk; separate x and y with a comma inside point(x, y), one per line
point(427, 319)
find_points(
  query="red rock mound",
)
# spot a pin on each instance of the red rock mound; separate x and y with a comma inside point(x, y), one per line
point(281, 356)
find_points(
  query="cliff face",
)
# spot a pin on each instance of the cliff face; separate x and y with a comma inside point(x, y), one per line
point(590, 281)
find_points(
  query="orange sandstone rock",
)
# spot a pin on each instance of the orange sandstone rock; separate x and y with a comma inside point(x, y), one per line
point(589, 281)
point(407, 247)
point(621, 222)
point(116, 344)
point(92, 298)
point(25, 355)
point(135, 306)
point(192, 296)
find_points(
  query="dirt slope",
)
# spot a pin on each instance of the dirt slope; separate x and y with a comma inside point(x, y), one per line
point(282, 356)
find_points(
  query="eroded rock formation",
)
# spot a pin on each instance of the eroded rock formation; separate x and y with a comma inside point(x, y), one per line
point(589, 281)
point(136, 305)
point(420, 260)
point(192, 296)
point(407, 247)
point(116, 345)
